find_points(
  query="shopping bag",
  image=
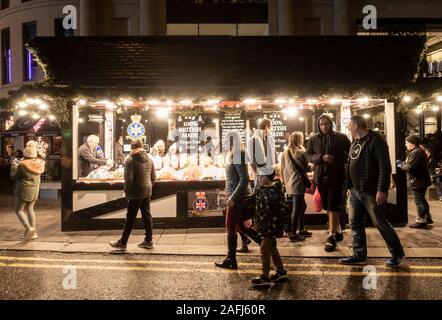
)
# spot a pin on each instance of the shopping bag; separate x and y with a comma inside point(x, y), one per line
point(317, 200)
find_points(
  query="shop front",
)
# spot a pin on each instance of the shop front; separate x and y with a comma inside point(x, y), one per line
point(184, 96)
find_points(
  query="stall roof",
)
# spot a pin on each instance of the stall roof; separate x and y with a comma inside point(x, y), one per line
point(28, 125)
point(230, 64)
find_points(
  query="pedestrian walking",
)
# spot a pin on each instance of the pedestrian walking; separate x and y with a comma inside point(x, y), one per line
point(294, 168)
point(435, 172)
point(416, 166)
point(271, 214)
point(139, 177)
point(369, 174)
point(237, 190)
point(26, 172)
point(328, 151)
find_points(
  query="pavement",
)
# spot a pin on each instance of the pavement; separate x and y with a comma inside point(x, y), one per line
point(204, 242)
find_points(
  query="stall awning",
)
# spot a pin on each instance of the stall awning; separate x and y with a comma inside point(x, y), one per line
point(222, 64)
point(30, 126)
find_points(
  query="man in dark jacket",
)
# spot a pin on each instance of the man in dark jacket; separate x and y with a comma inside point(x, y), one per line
point(139, 176)
point(369, 172)
point(328, 151)
point(419, 179)
point(88, 158)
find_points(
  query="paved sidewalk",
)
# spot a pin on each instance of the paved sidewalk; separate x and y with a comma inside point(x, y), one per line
point(417, 243)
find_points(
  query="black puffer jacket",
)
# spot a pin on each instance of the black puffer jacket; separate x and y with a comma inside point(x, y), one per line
point(139, 175)
point(336, 144)
point(416, 166)
point(374, 165)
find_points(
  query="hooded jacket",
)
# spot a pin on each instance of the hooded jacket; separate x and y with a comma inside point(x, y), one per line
point(272, 212)
point(336, 144)
point(373, 164)
point(139, 175)
point(416, 166)
point(27, 178)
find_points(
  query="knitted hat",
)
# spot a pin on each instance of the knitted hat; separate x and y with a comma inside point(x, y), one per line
point(31, 150)
point(414, 139)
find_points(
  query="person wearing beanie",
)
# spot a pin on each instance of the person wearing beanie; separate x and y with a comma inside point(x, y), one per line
point(416, 166)
point(26, 174)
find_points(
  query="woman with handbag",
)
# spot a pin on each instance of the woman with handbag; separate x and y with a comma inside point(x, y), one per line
point(294, 168)
point(237, 191)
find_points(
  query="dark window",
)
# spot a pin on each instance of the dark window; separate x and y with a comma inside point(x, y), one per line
point(6, 57)
point(4, 4)
point(60, 31)
point(29, 64)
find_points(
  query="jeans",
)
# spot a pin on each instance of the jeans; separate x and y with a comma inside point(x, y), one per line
point(423, 209)
point(25, 212)
point(133, 205)
point(298, 212)
point(270, 251)
point(359, 203)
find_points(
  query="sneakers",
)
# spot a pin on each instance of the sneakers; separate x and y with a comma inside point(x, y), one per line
point(352, 260)
point(145, 245)
point(118, 245)
point(305, 233)
point(339, 236)
point(393, 262)
point(296, 237)
point(261, 281)
point(30, 234)
point(418, 225)
point(279, 275)
point(330, 244)
point(227, 264)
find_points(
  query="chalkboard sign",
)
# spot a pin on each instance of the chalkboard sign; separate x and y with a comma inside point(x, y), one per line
point(189, 128)
point(279, 127)
point(232, 119)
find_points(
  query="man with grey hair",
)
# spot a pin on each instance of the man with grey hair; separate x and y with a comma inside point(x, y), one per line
point(88, 157)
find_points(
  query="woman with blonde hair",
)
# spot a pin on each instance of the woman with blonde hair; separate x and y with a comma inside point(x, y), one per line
point(294, 167)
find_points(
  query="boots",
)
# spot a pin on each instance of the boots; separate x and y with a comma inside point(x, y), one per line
point(244, 243)
point(230, 261)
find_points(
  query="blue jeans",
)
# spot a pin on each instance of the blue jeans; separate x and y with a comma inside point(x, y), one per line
point(359, 203)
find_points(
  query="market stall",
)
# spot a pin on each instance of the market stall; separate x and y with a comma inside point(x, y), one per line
point(182, 96)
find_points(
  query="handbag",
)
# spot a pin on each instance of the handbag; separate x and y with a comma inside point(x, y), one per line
point(305, 178)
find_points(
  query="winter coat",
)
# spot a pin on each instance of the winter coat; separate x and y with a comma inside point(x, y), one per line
point(292, 178)
point(139, 175)
point(374, 165)
point(336, 144)
point(27, 178)
point(262, 161)
point(416, 165)
point(237, 180)
point(272, 212)
point(87, 160)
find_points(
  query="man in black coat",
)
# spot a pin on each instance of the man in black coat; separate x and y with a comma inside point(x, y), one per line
point(369, 174)
point(328, 151)
point(139, 177)
point(416, 165)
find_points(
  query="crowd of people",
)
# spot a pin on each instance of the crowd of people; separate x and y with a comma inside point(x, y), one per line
point(359, 170)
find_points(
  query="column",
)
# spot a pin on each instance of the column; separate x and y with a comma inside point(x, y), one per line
point(153, 18)
point(342, 25)
point(286, 18)
point(87, 17)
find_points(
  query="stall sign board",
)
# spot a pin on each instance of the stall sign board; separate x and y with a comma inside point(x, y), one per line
point(189, 128)
point(279, 128)
point(231, 120)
